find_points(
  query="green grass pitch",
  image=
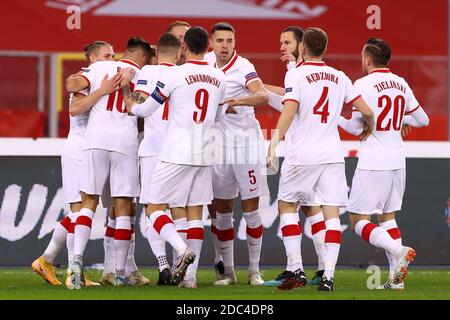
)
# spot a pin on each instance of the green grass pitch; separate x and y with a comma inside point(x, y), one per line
point(22, 283)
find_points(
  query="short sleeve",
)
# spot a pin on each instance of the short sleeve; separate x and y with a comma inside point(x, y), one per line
point(411, 102)
point(89, 73)
point(144, 82)
point(352, 93)
point(163, 86)
point(248, 72)
point(291, 87)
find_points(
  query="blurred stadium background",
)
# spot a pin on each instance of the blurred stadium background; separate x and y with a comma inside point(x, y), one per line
point(38, 52)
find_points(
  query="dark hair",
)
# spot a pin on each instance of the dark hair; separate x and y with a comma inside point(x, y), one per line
point(297, 31)
point(168, 43)
point(177, 23)
point(379, 50)
point(315, 40)
point(93, 47)
point(196, 39)
point(222, 26)
point(138, 43)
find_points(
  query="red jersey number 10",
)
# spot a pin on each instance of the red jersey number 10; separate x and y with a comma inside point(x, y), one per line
point(116, 98)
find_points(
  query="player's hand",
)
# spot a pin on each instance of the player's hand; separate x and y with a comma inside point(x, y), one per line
point(406, 130)
point(232, 102)
point(271, 159)
point(288, 57)
point(127, 75)
point(110, 85)
point(230, 110)
point(367, 131)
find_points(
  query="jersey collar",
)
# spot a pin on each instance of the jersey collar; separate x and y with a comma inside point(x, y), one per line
point(230, 63)
point(201, 62)
point(167, 64)
point(300, 63)
point(130, 62)
point(314, 63)
point(381, 70)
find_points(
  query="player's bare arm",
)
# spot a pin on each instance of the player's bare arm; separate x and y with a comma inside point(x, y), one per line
point(144, 107)
point(76, 83)
point(257, 98)
point(367, 115)
point(132, 98)
point(284, 122)
point(81, 103)
point(275, 89)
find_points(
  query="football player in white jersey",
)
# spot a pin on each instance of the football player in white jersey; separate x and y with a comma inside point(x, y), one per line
point(290, 40)
point(110, 155)
point(178, 29)
point(241, 170)
point(71, 165)
point(379, 180)
point(182, 176)
point(157, 244)
point(155, 131)
point(313, 169)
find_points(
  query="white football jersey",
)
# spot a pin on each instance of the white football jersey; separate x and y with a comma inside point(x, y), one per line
point(194, 90)
point(239, 73)
point(155, 126)
point(390, 98)
point(75, 139)
point(110, 127)
point(321, 92)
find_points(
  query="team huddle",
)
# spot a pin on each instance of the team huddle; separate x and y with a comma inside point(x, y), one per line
point(202, 145)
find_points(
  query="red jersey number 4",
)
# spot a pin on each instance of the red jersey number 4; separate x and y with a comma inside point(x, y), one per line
point(321, 107)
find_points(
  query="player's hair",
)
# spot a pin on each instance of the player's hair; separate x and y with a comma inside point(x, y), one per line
point(138, 43)
point(222, 26)
point(93, 47)
point(196, 39)
point(168, 43)
point(177, 23)
point(297, 31)
point(379, 50)
point(315, 40)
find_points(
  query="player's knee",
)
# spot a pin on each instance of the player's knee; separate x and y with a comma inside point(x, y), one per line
point(250, 205)
point(224, 206)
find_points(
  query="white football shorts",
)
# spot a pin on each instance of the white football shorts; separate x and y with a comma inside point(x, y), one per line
point(377, 191)
point(121, 169)
point(71, 172)
point(324, 184)
point(180, 185)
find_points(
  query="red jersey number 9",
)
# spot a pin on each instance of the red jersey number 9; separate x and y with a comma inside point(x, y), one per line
point(201, 102)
